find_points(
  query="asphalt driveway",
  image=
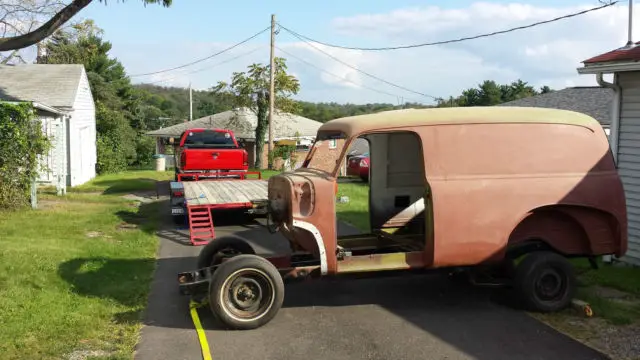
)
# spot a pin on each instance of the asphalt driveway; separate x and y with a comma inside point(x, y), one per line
point(421, 317)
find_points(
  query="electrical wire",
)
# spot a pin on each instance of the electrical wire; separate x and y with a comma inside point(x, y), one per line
point(337, 76)
point(366, 73)
point(209, 67)
point(205, 58)
point(452, 40)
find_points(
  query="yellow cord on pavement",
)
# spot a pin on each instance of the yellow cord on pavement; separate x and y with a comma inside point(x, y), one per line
point(204, 345)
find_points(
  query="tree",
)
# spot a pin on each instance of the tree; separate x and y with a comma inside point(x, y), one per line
point(18, 35)
point(545, 89)
point(251, 90)
point(489, 93)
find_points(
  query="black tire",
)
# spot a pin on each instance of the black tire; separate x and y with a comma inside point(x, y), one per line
point(179, 219)
point(246, 292)
point(222, 247)
point(545, 281)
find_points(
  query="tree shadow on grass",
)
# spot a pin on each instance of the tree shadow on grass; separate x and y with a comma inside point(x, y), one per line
point(123, 280)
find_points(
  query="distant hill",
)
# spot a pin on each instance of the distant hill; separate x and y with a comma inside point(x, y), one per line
point(174, 101)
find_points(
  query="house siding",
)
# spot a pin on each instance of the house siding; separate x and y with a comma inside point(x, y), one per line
point(50, 123)
point(629, 158)
point(82, 136)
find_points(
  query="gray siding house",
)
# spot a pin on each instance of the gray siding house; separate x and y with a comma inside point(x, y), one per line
point(624, 65)
point(62, 97)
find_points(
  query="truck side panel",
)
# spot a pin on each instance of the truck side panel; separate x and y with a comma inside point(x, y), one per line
point(496, 174)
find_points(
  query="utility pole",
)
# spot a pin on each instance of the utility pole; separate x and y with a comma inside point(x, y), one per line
point(630, 29)
point(190, 103)
point(272, 92)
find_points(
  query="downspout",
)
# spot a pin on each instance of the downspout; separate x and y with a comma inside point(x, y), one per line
point(614, 127)
point(615, 113)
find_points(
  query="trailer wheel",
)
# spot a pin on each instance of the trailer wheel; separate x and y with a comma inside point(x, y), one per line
point(223, 247)
point(545, 281)
point(246, 292)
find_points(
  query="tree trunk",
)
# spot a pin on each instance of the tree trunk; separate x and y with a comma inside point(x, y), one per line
point(261, 129)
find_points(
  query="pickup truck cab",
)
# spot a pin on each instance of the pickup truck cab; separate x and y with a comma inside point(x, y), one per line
point(209, 150)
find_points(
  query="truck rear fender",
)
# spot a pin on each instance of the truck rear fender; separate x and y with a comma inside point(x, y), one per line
point(567, 229)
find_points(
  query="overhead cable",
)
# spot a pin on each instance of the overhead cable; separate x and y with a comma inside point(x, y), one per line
point(209, 67)
point(366, 73)
point(334, 75)
point(205, 58)
point(452, 40)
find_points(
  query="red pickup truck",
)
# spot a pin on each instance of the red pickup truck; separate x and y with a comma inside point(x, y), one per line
point(209, 150)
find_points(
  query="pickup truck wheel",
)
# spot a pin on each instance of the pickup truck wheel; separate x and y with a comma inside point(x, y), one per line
point(246, 292)
point(179, 219)
point(545, 281)
point(220, 248)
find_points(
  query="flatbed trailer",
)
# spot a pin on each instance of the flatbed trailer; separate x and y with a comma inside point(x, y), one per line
point(196, 200)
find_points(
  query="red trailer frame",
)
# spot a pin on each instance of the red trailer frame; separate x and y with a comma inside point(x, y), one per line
point(200, 219)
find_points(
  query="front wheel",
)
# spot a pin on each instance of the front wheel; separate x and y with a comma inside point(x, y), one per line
point(545, 281)
point(246, 292)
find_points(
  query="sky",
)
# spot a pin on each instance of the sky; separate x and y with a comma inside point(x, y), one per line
point(154, 38)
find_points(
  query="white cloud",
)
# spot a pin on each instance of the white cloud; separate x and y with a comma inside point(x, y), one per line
point(545, 55)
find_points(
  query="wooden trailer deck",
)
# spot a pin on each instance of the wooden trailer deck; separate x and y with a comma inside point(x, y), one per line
point(224, 192)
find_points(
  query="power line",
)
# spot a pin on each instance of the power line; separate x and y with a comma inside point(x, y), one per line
point(452, 40)
point(205, 58)
point(337, 76)
point(366, 73)
point(210, 67)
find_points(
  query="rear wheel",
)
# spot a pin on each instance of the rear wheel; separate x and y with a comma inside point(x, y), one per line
point(545, 281)
point(223, 247)
point(246, 292)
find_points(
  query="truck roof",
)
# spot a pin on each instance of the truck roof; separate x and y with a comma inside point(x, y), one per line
point(457, 115)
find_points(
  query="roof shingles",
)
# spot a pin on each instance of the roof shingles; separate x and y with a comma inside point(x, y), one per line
point(51, 84)
point(243, 123)
point(593, 101)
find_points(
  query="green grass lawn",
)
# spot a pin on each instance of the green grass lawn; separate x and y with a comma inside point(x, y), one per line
point(621, 307)
point(356, 211)
point(138, 180)
point(74, 274)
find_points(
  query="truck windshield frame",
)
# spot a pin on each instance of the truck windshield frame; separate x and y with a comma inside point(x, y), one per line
point(209, 139)
point(326, 152)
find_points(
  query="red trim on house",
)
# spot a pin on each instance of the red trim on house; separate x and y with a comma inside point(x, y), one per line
point(620, 54)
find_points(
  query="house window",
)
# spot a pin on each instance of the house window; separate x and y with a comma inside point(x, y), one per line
point(333, 143)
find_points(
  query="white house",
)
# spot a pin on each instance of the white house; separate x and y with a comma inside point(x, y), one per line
point(624, 65)
point(62, 97)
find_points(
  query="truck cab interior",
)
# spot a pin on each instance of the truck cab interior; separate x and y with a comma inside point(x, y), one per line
point(399, 201)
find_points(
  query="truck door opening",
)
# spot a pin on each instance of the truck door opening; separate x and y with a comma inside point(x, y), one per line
point(399, 201)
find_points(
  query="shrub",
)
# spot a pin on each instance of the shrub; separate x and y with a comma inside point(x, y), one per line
point(116, 141)
point(22, 142)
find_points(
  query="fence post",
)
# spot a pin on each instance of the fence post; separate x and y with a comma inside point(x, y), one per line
point(34, 194)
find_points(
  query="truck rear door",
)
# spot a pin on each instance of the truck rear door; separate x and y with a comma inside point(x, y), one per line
point(211, 150)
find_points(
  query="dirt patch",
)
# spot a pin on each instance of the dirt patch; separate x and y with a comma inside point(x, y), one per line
point(49, 204)
point(87, 354)
point(124, 226)
point(99, 235)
